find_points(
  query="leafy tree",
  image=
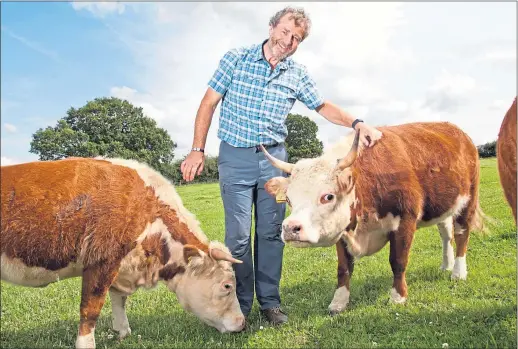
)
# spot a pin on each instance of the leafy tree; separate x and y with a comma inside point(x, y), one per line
point(487, 150)
point(302, 141)
point(108, 127)
point(210, 173)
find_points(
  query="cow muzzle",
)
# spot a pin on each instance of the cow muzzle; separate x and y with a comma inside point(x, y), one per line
point(292, 231)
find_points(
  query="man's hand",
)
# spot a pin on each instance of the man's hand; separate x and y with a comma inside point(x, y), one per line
point(368, 135)
point(192, 166)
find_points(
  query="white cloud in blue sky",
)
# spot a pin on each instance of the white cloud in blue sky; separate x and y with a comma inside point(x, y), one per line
point(387, 63)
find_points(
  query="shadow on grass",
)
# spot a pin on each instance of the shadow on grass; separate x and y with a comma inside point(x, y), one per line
point(399, 327)
point(369, 319)
point(311, 298)
point(176, 328)
point(391, 326)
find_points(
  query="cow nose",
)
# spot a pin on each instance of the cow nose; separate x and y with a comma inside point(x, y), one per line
point(241, 321)
point(293, 227)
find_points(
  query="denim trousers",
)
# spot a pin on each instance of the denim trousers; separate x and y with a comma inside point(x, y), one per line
point(243, 173)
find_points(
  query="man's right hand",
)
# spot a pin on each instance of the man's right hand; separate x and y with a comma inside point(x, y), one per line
point(192, 166)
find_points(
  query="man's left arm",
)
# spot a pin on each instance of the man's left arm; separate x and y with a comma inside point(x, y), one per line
point(309, 95)
point(368, 134)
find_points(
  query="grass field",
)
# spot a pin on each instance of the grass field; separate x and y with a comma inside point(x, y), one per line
point(477, 313)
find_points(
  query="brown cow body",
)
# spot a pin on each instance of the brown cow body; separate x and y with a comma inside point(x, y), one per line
point(417, 175)
point(506, 156)
point(120, 226)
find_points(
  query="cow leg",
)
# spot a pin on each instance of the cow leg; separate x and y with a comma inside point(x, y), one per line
point(96, 283)
point(462, 228)
point(400, 242)
point(460, 269)
point(446, 231)
point(120, 321)
point(345, 270)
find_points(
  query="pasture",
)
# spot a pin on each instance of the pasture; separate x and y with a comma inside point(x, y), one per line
point(477, 313)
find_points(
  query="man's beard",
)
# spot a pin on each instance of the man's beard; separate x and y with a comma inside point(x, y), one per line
point(271, 44)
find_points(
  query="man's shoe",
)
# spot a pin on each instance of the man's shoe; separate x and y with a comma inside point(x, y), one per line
point(275, 315)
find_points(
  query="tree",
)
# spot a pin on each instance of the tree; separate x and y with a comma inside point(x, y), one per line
point(108, 127)
point(302, 141)
point(210, 173)
point(487, 150)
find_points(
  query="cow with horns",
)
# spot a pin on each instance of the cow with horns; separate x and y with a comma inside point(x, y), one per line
point(120, 226)
point(417, 175)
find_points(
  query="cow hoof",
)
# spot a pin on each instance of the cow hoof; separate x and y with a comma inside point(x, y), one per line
point(123, 333)
point(340, 301)
point(396, 298)
point(460, 271)
point(334, 312)
point(447, 267)
point(335, 309)
point(459, 276)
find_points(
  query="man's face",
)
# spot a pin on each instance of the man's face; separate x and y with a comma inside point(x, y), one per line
point(285, 37)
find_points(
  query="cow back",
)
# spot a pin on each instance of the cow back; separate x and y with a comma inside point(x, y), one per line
point(418, 169)
point(55, 212)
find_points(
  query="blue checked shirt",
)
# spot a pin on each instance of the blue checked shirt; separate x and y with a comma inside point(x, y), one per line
point(257, 100)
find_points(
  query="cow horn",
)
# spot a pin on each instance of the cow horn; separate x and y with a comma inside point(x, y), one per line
point(219, 255)
point(351, 156)
point(281, 165)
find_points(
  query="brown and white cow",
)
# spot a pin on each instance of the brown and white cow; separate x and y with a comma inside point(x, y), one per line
point(120, 226)
point(417, 175)
point(506, 156)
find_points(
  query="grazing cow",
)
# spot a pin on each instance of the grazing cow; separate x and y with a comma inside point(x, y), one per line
point(417, 175)
point(506, 156)
point(120, 226)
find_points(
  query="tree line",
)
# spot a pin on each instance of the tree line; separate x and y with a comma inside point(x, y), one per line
point(113, 127)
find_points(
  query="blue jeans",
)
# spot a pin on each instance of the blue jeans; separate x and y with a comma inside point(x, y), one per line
point(243, 173)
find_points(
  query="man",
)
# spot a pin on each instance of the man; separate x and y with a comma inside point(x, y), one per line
point(258, 86)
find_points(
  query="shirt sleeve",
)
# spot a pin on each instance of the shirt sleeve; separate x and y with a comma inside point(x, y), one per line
point(222, 77)
point(308, 92)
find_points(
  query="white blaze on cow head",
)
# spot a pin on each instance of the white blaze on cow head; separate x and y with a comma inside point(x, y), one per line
point(206, 287)
point(320, 193)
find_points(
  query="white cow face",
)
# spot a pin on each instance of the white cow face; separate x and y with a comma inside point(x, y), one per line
point(207, 288)
point(321, 196)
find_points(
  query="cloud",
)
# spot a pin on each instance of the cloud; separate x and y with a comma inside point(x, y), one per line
point(100, 9)
point(10, 127)
point(33, 45)
point(176, 55)
point(5, 161)
point(380, 61)
point(504, 58)
point(449, 91)
point(500, 105)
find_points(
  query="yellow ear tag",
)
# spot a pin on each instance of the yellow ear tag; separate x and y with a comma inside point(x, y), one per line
point(280, 197)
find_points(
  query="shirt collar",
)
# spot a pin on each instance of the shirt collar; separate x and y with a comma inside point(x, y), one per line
point(284, 64)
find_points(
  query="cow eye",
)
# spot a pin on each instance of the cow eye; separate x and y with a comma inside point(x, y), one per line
point(326, 198)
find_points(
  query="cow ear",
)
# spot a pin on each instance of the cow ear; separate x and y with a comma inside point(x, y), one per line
point(190, 251)
point(276, 185)
point(344, 180)
point(170, 271)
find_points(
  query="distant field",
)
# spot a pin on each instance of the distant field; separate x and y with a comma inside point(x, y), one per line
point(477, 313)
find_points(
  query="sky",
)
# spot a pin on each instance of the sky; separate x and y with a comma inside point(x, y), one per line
point(386, 63)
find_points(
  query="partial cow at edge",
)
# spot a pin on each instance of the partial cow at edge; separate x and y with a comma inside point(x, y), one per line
point(360, 199)
point(120, 226)
point(506, 156)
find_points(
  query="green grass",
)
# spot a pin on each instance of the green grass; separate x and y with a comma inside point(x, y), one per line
point(477, 313)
